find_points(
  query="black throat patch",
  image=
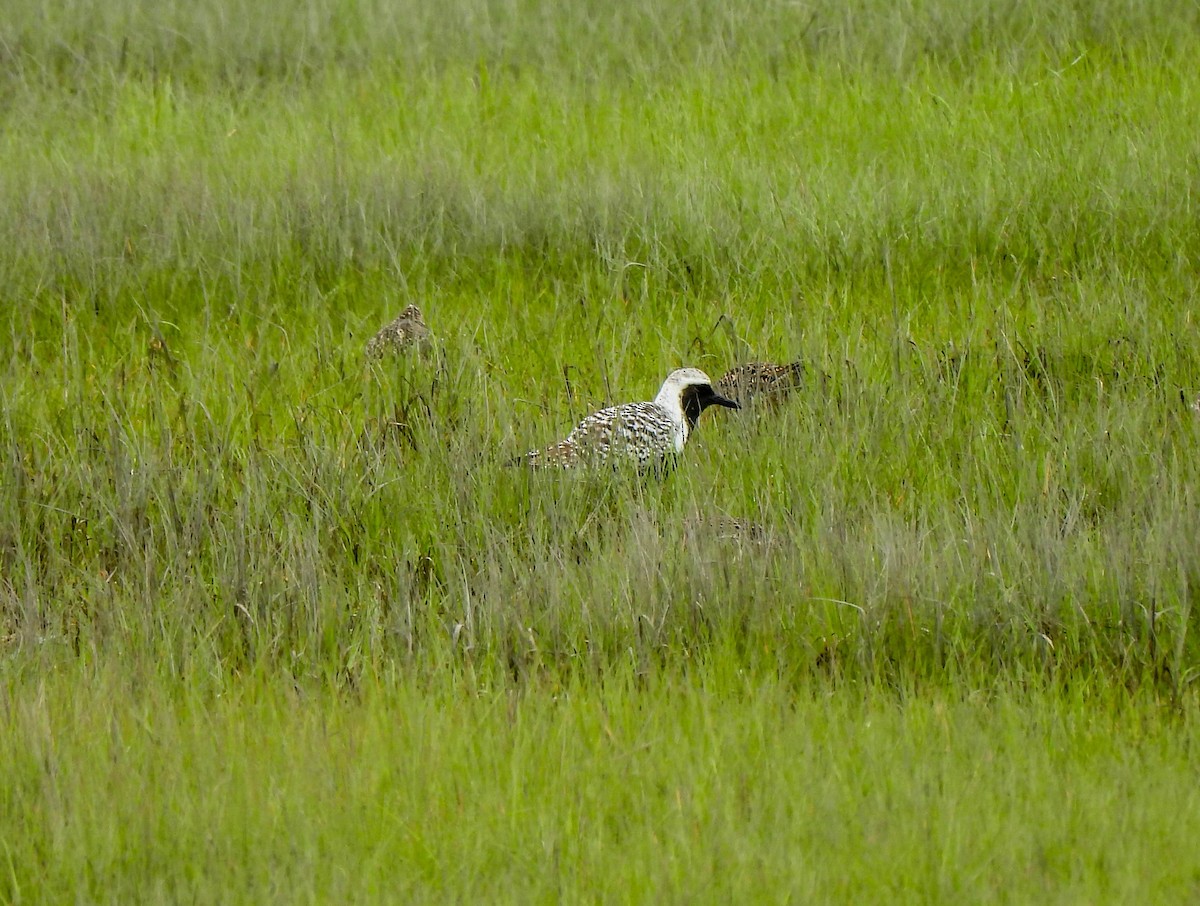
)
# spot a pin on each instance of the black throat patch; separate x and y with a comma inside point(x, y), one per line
point(695, 400)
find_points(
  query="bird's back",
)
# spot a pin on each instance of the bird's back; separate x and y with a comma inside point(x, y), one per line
point(405, 332)
point(643, 433)
point(760, 381)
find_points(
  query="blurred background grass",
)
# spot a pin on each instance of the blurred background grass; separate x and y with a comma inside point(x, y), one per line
point(975, 222)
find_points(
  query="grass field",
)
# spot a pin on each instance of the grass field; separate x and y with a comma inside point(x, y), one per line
point(278, 624)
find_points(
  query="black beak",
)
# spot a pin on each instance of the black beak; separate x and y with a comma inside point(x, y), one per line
point(712, 398)
point(698, 398)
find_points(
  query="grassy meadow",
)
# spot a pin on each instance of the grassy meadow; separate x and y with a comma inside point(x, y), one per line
point(279, 623)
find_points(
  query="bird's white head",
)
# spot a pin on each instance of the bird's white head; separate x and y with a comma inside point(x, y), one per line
point(688, 392)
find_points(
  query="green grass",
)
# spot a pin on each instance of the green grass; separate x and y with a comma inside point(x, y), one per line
point(700, 786)
point(279, 623)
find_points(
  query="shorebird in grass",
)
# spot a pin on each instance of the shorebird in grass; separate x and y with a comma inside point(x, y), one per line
point(407, 332)
point(647, 435)
point(760, 382)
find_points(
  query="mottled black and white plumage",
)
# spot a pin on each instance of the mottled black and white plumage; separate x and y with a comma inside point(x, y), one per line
point(734, 535)
point(760, 382)
point(643, 434)
point(406, 332)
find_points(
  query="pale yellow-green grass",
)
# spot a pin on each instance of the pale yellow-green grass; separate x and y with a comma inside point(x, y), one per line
point(678, 786)
point(278, 622)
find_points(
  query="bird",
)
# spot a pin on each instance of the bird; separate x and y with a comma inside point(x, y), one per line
point(756, 382)
point(724, 528)
point(648, 435)
point(728, 533)
point(407, 331)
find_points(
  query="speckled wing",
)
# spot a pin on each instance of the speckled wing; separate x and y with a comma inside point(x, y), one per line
point(641, 433)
